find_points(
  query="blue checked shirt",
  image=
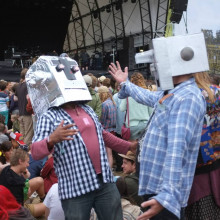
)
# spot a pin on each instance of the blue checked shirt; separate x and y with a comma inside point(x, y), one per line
point(171, 143)
point(74, 169)
point(108, 117)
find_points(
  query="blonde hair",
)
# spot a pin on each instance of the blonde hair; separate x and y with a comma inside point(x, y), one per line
point(105, 95)
point(203, 81)
point(18, 154)
point(138, 79)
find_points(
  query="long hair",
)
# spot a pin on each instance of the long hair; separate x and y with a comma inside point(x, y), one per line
point(203, 81)
point(105, 95)
point(138, 79)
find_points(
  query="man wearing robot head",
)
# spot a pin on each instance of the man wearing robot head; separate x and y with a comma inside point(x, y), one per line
point(169, 148)
point(71, 131)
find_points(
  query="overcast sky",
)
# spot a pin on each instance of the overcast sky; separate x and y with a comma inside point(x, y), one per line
point(201, 14)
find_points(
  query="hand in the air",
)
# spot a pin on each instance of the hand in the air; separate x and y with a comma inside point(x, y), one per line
point(117, 73)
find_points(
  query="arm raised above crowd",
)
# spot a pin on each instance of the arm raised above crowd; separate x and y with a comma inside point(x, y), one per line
point(140, 95)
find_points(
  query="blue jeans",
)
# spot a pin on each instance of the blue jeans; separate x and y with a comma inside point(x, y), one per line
point(106, 201)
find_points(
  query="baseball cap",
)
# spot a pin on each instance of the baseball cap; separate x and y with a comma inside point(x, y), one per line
point(88, 80)
point(17, 137)
point(101, 78)
point(130, 156)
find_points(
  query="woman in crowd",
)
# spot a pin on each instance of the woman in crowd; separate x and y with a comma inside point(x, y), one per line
point(204, 199)
point(108, 116)
point(138, 114)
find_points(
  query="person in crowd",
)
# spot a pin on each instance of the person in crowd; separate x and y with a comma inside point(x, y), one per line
point(204, 199)
point(26, 122)
point(107, 82)
point(77, 139)
point(113, 86)
point(54, 210)
point(15, 122)
point(48, 174)
point(94, 83)
point(13, 100)
point(170, 145)
point(95, 103)
point(139, 114)
point(4, 101)
point(3, 131)
point(119, 122)
point(6, 149)
point(100, 80)
point(108, 117)
point(130, 210)
point(84, 59)
point(35, 166)
point(10, 208)
point(14, 178)
point(130, 178)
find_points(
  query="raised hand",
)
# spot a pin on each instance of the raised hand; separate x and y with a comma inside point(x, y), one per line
point(62, 133)
point(117, 73)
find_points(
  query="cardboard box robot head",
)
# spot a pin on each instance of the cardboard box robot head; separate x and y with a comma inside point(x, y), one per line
point(175, 56)
point(53, 81)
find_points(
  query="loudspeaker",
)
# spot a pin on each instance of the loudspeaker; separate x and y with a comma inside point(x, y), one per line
point(176, 16)
point(179, 5)
point(126, 56)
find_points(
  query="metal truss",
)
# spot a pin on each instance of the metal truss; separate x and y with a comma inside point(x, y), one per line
point(147, 30)
point(163, 6)
point(75, 38)
point(119, 27)
point(96, 25)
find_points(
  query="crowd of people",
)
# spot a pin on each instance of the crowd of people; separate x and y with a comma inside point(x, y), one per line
point(75, 164)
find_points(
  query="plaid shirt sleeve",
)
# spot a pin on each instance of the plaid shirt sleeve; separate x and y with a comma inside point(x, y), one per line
point(139, 94)
point(182, 123)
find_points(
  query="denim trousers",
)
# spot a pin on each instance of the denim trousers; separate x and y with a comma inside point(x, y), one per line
point(106, 201)
point(164, 214)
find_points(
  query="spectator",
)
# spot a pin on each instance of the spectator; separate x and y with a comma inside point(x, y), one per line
point(95, 103)
point(130, 210)
point(54, 210)
point(4, 101)
point(10, 208)
point(108, 117)
point(130, 178)
point(48, 174)
point(35, 166)
point(139, 114)
point(26, 122)
point(5, 154)
point(204, 200)
point(14, 177)
point(3, 131)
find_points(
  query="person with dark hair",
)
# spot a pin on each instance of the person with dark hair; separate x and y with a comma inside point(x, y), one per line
point(4, 101)
point(26, 122)
point(6, 149)
point(3, 136)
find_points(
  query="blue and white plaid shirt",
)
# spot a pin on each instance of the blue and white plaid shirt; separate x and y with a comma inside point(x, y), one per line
point(171, 143)
point(73, 166)
point(108, 117)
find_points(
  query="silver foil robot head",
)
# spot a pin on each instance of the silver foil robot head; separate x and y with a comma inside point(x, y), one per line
point(53, 81)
